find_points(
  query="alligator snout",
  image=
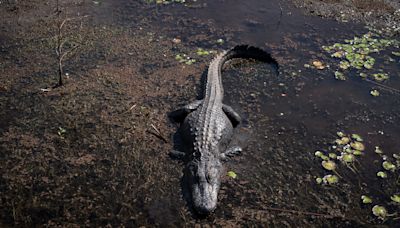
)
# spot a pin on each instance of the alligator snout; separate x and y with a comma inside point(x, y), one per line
point(205, 209)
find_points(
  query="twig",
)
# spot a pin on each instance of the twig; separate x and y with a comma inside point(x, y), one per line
point(158, 133)
point(301, 212)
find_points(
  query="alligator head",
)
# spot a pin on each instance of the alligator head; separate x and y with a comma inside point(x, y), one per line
point(204, 177)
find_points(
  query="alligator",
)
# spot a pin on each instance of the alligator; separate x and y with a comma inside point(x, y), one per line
point(206, 130)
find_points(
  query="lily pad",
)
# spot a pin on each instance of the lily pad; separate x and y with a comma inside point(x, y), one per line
point(232, 174)
point(381, 174)
point(388, 166)
point(374, 93)
point(332, 155)
point(365, 199)
point(331, 179)
point(340, 76)
point(380, 76)
point(318, 180)
point(395, 198)
point(348, 158)
point(318, 64)
point(379, 211)
point(318, 153)
point(356, 137)
point(340, 134)
point(329, 165)
point(357, 146)
point(378, 150)
point(344, 65)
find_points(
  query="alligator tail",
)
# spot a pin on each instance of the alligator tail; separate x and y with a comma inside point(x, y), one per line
point(249, 52)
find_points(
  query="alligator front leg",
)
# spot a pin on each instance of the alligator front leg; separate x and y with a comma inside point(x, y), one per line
point(177, 154)
point(232, 115)
point(231, 152)
point(180, 114)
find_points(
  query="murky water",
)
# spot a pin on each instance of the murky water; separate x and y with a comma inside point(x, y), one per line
point(287, 116)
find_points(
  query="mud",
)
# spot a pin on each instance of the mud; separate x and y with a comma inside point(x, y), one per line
point(94, 152)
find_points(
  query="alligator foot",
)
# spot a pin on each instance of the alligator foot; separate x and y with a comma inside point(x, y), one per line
point(231, 152)
point(175, 154)
point(180, 114)
point(232, 115)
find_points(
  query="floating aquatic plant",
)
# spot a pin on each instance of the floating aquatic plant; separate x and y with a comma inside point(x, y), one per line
point(232, 174)
point(356, 53)
point(378, 150)
point(380, 211)
point(346, 148)
point(365, 199)
point(388, 166)
point(329, 165)
point(340, 76)
point(381, 174)
point(357, 146)
point(330, 179)
point(374, 93)
point(395, 198)
point(357, 137)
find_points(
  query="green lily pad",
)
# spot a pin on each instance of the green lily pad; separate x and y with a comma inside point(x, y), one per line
point(318, 180)
point(339, 76)
point(363, 75)
point(324, 157)
point(331, 179)
point(395, 198)
point(348, 158)
point(344, 65)
point(340, 134)
point(232, 174)
point(318, 153)
point(379, 211)
point(356, 137)
point(332, 155)
point(388, 166)
point(329, 165)
point(381, 174)
point(374, 93)
point(380, 76)
point(396, 53)
point(357, 146)
point(378, 150)
point(357, 152)
point(365, 199)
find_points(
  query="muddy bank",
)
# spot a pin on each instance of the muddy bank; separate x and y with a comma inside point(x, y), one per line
point(380, 14)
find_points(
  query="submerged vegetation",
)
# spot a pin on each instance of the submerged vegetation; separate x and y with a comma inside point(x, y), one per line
point(344, 153)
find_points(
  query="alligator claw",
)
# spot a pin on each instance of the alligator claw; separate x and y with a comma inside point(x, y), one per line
point(231, 152)
point(177, 154)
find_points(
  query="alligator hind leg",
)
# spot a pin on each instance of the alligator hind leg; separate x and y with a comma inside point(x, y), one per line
point(232, 115)
point(180, 114)
point(231, 152)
